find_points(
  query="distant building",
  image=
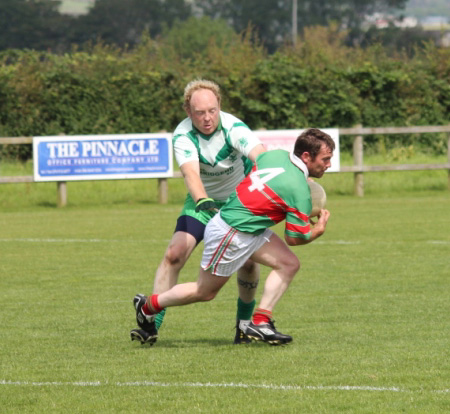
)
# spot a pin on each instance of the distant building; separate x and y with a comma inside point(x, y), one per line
point(406, 22)
point(437, 20)
point(445, 39)
point(75, 7)
point(434, 22)
point(383, 21)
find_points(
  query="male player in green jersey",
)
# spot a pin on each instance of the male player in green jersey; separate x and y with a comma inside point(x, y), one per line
point(214, 150)
point(275, 190)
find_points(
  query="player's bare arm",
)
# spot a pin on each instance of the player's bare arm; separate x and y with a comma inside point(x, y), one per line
point(191, 174)
point(259, 149)
point(316, 232)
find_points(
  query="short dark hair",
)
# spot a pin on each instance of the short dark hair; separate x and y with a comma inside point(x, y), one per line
point(311, 141)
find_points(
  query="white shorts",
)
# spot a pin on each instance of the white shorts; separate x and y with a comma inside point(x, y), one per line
point(226, 249)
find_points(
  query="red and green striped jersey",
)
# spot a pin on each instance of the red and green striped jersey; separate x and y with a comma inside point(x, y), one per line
point(275, 190)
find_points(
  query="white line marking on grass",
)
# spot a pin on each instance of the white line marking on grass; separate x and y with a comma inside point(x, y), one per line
point(217, 385)
point(51, 240)
point(264, 386)
point(337, 242)
point(53, 383)
point(30, 240)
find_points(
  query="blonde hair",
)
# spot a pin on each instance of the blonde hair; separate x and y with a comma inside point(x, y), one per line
point(196, 85)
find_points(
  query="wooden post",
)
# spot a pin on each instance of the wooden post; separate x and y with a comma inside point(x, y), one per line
point(448, 160)
point(358, 162)
point(61, 187)
point(62, 193)
point(163, 190)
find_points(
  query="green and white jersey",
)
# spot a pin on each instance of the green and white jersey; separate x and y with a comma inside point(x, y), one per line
point(222, 155)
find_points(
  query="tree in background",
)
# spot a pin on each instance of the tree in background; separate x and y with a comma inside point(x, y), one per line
point(37, 24)
point(123, 22)
point(32, 24)
point(270, 19)
point(395, 39)
point(191, 38)
point(350, 14)
point(273, 19)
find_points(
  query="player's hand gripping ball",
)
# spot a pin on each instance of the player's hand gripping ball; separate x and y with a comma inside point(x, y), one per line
point(318, 198)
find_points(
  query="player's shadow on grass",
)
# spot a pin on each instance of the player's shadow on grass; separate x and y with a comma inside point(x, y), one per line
point(47, 204)
point(189, 343)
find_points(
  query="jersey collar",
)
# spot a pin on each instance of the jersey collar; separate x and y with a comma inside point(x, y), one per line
point(299, 163)
point(208, 137)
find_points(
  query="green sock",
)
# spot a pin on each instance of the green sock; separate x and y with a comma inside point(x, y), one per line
point(245, 310)
point(159, 319)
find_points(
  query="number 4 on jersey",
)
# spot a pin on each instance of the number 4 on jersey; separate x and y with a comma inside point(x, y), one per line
point(258, 181)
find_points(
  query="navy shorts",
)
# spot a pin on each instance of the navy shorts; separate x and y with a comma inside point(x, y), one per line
point(191, 225)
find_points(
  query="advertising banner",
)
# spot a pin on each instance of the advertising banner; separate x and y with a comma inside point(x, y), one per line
point(285, 139)
point(102, 157)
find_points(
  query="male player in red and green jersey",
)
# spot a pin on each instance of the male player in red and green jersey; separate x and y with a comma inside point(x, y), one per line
point(275, 190)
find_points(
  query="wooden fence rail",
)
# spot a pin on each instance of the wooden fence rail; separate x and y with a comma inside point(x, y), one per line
point(358, 168)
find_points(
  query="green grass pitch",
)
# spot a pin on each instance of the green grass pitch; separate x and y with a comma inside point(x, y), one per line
point(369, 312)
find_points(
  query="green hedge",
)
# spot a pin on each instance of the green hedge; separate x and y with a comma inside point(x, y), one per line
point(320, 83)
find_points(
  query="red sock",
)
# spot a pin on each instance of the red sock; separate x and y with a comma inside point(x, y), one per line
point(151, 306)
point(261, 316)
point(145, 310)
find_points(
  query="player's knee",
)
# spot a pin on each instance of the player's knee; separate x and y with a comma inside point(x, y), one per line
point(249, 267)
point(206, 296)
point(291, 266)
point(175, 256)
